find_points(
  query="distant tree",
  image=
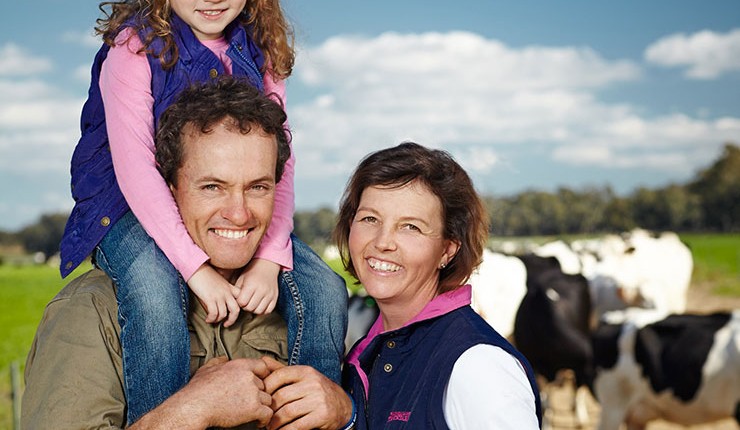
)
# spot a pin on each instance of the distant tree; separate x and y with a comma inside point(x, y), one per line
point(618, 216)
point(8, 238)
point(45, 235)
point(719, 189)
point(585, 209)
point(314, 227)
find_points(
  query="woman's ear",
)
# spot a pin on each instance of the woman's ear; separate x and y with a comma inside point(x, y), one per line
point(450, 251)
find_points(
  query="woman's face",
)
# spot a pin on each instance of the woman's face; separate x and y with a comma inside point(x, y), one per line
point(397, 244)
point(208, 18)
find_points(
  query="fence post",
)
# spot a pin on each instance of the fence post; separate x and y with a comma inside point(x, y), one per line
point(15, 382)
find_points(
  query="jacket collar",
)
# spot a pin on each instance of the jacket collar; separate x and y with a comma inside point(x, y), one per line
point(438, 306)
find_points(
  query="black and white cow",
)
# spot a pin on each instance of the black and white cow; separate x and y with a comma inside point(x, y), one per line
point(552, 327)
point(680, 368)
point(499, 284)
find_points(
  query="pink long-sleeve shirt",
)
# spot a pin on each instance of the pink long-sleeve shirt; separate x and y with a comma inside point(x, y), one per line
point(125, 85)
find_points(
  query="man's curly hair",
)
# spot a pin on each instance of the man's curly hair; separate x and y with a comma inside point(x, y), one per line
point(204, 105)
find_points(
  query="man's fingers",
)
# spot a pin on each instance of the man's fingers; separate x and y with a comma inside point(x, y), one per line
point(271, 363)
point(263, 415)
point(265, 398)
point(261, 370)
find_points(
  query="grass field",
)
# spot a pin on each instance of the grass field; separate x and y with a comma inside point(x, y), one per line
point(25, 290)
point(716, 261)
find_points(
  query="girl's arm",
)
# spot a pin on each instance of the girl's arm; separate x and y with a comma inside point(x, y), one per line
point(125, 85)
point(276, 245)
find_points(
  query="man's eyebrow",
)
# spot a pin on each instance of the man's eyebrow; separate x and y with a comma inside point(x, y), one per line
point(210, 179)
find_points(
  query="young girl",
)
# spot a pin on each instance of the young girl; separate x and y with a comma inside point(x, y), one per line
point(125, 214)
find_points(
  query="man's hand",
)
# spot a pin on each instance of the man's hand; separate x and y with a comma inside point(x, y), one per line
point(220, 394)
point(216, 295)
point(258, 286)
point(303, 398)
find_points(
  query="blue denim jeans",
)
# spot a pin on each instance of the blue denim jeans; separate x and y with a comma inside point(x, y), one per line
point(153, 300)
point(313, 300)
point(152, 312)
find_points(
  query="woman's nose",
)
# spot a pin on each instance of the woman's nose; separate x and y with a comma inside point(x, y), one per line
point(385, 240)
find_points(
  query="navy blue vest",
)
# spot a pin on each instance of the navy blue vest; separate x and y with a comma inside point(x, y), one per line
point(408, 370)
point(98, 199)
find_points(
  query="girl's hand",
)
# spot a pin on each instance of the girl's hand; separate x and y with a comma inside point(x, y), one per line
point(258, 286)
point(216, 295)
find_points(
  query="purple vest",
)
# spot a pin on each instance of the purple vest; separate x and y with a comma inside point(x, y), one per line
point(408, 370)
point(98, 199)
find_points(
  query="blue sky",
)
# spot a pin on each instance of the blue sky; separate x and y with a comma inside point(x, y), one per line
point(525, 94)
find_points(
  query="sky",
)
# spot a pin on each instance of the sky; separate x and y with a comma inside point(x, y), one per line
point(525, 95)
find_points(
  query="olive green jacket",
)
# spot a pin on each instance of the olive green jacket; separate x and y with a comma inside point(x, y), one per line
point(74, 377)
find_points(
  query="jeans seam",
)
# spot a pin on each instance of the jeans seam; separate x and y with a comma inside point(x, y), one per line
point(295, 352)
point(100, 255)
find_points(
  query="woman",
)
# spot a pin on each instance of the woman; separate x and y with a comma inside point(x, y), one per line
point(412, 229)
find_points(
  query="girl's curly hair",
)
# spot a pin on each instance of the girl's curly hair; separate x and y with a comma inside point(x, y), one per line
point(272, 32)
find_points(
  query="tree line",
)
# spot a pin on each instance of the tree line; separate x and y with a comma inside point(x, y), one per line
point(709, 202)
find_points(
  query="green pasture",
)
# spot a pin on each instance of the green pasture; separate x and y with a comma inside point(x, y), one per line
point(716, 261)
point(24, 291)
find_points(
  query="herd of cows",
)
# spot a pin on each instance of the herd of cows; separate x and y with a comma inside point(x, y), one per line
point(610, 312)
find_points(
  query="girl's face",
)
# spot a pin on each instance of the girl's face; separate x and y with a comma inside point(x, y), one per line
point(207, 18)
point(397, 244)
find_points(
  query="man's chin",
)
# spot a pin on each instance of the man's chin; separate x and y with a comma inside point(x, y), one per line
point(233, 261)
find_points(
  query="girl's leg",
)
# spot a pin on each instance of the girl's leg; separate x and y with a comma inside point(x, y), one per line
point(152, 312)
point(313, 301)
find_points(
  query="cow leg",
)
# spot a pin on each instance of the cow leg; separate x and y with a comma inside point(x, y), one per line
point(610, 419)
point(581, 407)
point(547, 410)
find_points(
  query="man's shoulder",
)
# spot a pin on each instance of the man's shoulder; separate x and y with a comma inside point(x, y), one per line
point(91, 283)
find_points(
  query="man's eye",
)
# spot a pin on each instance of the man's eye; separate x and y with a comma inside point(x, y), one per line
point(411, 227)
point(210, 187)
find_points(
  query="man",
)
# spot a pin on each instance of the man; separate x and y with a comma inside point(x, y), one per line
point(222, 172)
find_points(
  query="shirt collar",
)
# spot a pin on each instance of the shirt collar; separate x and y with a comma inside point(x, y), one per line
point(440, 305)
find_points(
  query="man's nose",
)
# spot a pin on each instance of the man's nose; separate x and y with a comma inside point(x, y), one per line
point(236, 209)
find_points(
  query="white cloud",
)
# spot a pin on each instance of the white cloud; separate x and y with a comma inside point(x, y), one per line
point(82, 73)
point(87, 39)
point(707, 54)
point(39, 127)
point(15, 61)
point(448, 90)
point(477, 97)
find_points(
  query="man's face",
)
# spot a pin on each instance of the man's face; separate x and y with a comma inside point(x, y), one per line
point(225, 192)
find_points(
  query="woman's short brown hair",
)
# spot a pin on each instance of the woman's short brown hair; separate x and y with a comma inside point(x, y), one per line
point(463, 213)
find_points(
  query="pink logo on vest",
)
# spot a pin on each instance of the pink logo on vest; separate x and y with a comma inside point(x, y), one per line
point(399, 416)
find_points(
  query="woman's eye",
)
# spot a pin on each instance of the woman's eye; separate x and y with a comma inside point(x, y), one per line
point(370, 219)
point(411, 227)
